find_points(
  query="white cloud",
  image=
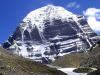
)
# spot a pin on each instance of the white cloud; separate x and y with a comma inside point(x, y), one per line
point(93, 18)
point(73, 5)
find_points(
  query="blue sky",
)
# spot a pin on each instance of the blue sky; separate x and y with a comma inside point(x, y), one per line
point(13, 11)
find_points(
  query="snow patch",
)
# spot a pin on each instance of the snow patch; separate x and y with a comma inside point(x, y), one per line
point(69, 71)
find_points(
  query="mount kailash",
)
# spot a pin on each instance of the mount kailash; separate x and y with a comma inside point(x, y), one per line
point(49, 32)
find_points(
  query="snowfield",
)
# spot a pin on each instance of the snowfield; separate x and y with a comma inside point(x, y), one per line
point(69, 71)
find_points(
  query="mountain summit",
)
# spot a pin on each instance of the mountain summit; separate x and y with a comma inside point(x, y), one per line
point(47, 13)
point(49, 32)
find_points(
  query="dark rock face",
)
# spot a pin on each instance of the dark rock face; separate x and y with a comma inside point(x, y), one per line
point(6, 45)
point(17, 34)
point(35, 35)
point(59, 28)
point(51, 38)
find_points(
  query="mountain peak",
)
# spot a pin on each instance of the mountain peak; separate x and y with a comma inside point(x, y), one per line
point(50, 6)
point(49, 11)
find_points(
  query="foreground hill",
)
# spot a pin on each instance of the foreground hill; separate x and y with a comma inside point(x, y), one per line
point(94, 57)
point(71, 60)
point(85, 59)
point(14, 65)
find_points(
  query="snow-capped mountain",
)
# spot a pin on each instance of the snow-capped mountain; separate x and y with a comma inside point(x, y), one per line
point(49, 32)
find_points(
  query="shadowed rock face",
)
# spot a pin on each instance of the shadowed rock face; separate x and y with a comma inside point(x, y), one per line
point(59, 28)
point(41, 36)
point(33, 35)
